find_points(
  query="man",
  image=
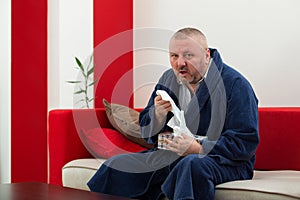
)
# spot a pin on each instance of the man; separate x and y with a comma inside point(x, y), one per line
point(218, 102)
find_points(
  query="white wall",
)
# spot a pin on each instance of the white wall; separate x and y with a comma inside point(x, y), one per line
point(261, 39)
point(5, 66)
point(70, 33)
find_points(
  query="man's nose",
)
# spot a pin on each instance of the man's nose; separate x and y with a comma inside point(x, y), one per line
point(181, 61)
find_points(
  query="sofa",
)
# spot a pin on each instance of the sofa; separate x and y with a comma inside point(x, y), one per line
point(277, 168)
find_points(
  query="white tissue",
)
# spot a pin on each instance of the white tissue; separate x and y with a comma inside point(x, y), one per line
point(165, 96)
point(178, 121)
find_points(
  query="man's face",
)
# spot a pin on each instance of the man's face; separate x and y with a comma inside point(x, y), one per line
point(188, 59)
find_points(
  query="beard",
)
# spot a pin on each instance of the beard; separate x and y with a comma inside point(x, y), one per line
point(188, 77)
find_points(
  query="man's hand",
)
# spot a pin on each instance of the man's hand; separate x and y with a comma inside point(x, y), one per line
point(184, 145)
point(162, 108)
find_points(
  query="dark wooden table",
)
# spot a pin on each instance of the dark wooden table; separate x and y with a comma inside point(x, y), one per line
point(43, 191)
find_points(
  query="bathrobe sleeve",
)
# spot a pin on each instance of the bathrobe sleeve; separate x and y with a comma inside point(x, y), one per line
point(149, 126)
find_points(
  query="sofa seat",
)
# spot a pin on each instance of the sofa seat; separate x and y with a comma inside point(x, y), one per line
point(76, 173)
point(265, 185)
point(273, 185)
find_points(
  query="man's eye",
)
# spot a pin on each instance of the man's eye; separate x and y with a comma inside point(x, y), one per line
point(188, 55)
point(174, 55)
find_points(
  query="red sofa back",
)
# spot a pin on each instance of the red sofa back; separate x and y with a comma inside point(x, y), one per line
point(278, 149)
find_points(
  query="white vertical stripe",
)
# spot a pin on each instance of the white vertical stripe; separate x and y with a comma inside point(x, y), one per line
point(53, 53)
point(70, 34)
point(5, 87)
point(149, 63)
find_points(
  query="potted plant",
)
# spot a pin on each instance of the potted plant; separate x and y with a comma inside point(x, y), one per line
point(84, 82)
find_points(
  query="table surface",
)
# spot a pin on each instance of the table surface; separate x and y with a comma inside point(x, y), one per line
point(43, 191)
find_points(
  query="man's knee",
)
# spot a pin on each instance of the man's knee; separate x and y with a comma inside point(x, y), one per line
point(196, 165)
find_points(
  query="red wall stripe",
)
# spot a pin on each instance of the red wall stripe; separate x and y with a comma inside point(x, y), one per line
point(29, 77)
point(111, 18)
point(29, 91)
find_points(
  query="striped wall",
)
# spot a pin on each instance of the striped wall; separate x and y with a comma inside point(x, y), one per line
point(40, 39)
point(30, 53)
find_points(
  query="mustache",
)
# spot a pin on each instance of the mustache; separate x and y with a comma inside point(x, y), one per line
point(183, 67)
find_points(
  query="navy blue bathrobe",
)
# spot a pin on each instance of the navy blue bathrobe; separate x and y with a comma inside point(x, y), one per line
point(224, 108)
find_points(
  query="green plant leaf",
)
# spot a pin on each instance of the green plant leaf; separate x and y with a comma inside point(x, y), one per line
point(74, 81)
point(90, 71)
point(79, 64)
point(92, 83)
point(91, 99)
point(80, 91)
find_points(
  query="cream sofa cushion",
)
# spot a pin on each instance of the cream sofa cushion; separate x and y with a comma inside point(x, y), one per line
point(77, 173)
point(278, 184)
point(265, 185)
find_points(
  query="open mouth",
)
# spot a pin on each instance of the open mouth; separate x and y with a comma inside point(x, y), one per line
point(182, 72)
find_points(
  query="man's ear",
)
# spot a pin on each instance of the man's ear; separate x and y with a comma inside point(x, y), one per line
point(207, 56)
